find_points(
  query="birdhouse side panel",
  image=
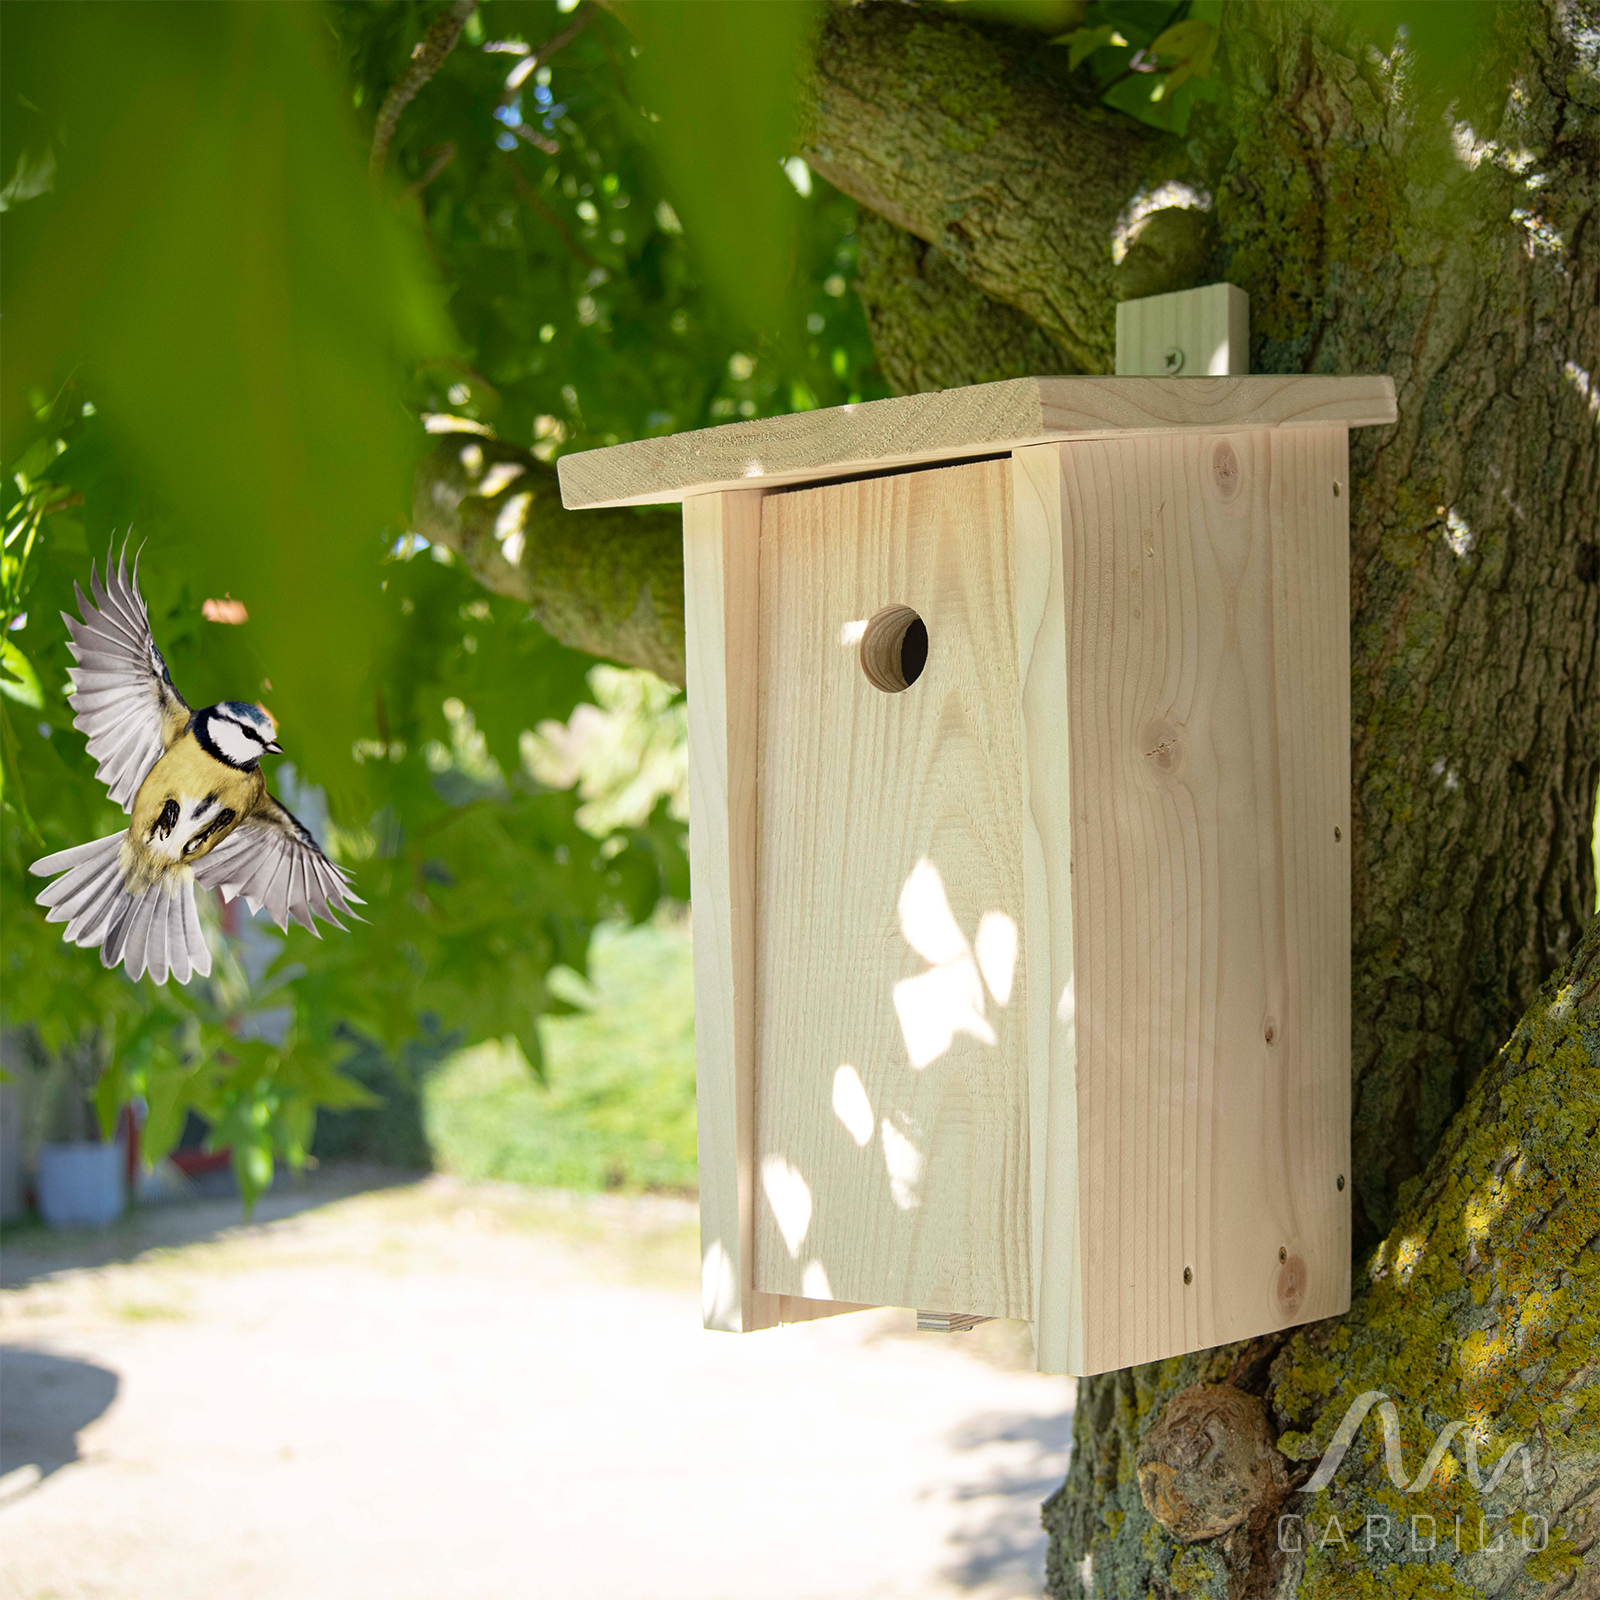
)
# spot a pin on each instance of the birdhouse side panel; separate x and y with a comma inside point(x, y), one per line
point(1206, 609)
point(1311, 669)
point(891, 1086)
point(1036, 479)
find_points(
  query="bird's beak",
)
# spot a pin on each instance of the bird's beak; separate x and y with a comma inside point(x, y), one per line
point(275, 748)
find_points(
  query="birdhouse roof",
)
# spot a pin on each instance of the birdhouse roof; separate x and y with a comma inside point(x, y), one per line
point(956, 424)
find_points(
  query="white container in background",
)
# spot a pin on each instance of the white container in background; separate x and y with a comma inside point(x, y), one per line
point(82, 1185)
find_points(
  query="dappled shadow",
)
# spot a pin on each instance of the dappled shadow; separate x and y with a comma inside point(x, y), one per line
point(1006, 1545)
point(33, 1251)
point(44, 1401)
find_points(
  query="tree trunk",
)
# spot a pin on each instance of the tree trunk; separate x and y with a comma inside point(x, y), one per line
point(1372, 237)
point(1457, 250)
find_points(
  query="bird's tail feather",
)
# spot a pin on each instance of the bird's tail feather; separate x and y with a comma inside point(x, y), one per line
point(49, 866)
point(157, 930)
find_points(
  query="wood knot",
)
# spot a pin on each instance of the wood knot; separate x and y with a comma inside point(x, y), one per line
point(1163, 749)
point(1225, 469)
point(1209, 1463)
point(1289, 1288)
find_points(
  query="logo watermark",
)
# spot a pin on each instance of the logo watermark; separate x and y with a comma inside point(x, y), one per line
point(1357, 1414)
point(1419, 1534)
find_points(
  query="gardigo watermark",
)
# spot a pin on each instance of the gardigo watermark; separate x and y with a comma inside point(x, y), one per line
point(1418, 1534)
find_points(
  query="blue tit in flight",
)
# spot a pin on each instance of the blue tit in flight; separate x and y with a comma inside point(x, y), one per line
point(199, 807)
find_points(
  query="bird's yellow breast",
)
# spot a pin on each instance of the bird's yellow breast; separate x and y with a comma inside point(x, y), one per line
point(188, 804)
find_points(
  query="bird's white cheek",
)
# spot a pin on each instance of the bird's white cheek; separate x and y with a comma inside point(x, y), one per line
point(234, 742)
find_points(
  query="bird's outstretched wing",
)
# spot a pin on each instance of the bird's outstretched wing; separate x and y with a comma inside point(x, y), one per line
point(273, 861)
point(121, 689)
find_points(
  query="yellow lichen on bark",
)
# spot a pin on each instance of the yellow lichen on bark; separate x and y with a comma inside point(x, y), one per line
point(1482, 1309)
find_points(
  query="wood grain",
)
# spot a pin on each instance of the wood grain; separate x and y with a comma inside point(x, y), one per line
point(892, 1087)
point(1206, 605)
point(1046, 845)
point(1210, 325)
point(982, 419)
point(721, 577)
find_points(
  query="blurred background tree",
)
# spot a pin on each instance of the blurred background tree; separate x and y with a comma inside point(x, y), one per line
point(313, 297)
point(266, 267)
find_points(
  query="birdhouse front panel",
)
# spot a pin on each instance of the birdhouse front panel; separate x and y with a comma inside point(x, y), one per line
point(890, 1041)
point(1020, 844)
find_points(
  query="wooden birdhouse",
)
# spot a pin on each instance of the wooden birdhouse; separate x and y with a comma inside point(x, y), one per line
point(1019, 744)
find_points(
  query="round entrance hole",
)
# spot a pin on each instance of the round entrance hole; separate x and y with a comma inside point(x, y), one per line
point(894, 649)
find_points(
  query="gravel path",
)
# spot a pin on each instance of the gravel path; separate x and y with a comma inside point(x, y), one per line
point(438, 1391)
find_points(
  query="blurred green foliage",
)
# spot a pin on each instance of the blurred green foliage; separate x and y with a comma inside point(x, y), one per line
point(1156, 59)
point(618, 1111)
point(718, 87)
point(1149, 58)
point(225, 337)
point(213, 271)
point(578, 289)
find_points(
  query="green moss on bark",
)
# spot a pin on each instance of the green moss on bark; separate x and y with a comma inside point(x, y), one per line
point(1483, 1306)
point(932, 328)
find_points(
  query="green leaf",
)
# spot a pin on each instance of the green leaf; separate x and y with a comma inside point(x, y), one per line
point(34, 175)
point(1192, 40)
point(252, 1170)
point(18, 680)
point(1194, 44)
point(1082, 43)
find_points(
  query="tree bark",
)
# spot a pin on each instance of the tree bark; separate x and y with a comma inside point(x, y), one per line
point(980, 143)
point(608, 581)
point(933, 328)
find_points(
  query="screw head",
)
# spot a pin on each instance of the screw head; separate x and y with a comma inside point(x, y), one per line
point(1341, 1180)
point(1337, 835)
point(1283, 1253)
point(1172, 362)
point(1188, 1274)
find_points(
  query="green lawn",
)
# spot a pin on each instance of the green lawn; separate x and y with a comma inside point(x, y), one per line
point(619, 1109)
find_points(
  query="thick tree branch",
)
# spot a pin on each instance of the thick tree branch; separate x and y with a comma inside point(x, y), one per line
point(980, 144)
point(931, 327)
point(608, 581)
